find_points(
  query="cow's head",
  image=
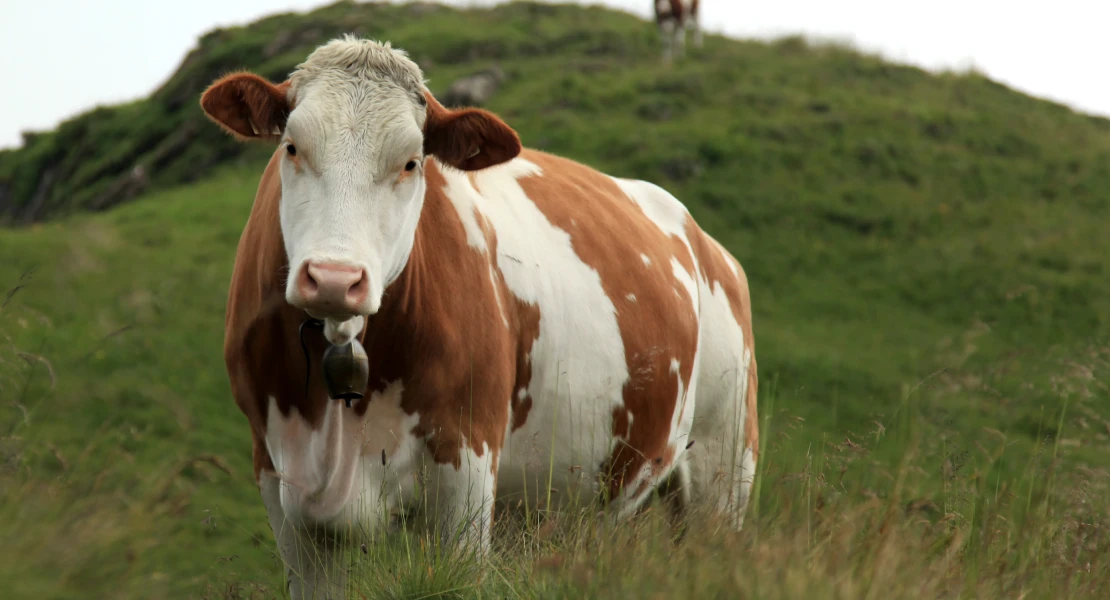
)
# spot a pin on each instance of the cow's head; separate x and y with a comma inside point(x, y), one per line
point(354, 124)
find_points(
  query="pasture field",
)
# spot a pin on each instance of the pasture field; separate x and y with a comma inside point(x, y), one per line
point(927, 256)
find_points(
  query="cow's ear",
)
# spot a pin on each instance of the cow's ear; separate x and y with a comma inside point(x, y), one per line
point(248, 106)
point(469, 138)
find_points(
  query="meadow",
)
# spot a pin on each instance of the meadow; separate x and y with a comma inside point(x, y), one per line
point(931, 312)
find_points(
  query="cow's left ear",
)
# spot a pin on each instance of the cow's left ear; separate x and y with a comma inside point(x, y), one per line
point(248, 106)
point(469, 138)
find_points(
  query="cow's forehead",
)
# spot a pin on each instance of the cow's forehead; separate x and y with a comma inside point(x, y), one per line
point(350, 73)
point(348, 58)
point(358, 89)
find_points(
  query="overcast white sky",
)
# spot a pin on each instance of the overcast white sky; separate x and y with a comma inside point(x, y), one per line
point(60, 57)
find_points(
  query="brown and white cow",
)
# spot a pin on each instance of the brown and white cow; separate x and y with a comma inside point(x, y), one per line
point(524, 315)
point(674, 17)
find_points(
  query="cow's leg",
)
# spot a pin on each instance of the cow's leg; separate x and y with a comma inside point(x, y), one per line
point(679, 33)
point(694, 25)
point(626, 489)
point(725, 479)
point(676, 491)
point(460, 502)
point(667, 36)
point(722, 465)
point(310, 566)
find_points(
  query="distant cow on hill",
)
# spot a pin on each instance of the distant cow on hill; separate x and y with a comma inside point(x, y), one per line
point(528, 320)
point(674, 17)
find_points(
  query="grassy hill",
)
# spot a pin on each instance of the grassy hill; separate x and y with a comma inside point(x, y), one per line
point(932, 315)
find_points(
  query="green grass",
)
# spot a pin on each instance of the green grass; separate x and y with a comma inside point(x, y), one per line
point(931, 317)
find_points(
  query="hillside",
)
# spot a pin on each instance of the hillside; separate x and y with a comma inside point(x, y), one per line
point(927, 264)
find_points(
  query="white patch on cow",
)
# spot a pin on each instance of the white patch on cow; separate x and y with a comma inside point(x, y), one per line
point(724, 356)
point(646, 259)
point(522, 393)
point(668, 214)
point(687, 281)
point(464, 197)
point(333, 475)
point(578, 362)
point(631, 297)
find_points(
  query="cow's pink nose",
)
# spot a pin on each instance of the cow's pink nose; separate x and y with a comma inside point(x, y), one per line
point(331, 288)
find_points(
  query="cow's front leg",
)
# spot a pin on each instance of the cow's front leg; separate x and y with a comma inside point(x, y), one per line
point(311, 568)
point(460, 498)
point(667, 37)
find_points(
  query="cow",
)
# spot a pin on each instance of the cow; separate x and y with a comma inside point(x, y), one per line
point(674, 17)
point(528, 320)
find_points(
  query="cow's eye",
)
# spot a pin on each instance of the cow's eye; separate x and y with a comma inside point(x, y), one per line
point(410, 165)
point(291, 149)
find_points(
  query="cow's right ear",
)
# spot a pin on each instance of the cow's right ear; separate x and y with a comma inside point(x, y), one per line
point(247, 106)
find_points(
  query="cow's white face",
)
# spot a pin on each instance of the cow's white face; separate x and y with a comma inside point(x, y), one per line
point(352, 180)
point(354, 124)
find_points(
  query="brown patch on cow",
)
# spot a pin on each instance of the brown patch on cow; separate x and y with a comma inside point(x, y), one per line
point(656, 329)
point(676, 12)
point(247, 106)
point(673, 11)
point(622, 423)
point(751, 418)
point(528, 331)
point(716, 271)
point(468, 139)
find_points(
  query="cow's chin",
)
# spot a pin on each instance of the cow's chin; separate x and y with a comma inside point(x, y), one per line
point(333, 317)
point(340, 333)
point(334, 314)
point(339, 327)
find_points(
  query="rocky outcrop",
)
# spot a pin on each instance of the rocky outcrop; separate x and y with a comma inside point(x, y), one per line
point(474, 90)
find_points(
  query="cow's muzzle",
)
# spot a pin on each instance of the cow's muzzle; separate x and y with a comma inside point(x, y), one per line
point(346, 367)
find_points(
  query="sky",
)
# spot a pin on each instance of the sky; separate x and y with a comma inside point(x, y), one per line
point(61, 57)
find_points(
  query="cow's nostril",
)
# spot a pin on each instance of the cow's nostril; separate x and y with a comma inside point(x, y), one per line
point(358, 291)
point(308, 282)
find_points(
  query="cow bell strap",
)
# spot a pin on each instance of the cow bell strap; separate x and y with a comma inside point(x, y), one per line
point(314, 324)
